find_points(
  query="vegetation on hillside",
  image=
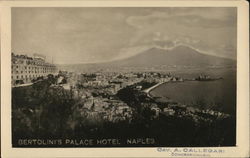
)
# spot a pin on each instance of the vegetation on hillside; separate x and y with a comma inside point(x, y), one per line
point(45, 111)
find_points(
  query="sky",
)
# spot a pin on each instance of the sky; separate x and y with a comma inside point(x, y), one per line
point(92, 35)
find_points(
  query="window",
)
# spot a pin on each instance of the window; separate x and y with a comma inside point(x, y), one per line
point(17, 76)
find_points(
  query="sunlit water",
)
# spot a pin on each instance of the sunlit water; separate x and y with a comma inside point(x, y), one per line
point(218, 94)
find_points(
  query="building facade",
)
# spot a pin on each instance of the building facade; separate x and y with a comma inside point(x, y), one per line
point(25, 69)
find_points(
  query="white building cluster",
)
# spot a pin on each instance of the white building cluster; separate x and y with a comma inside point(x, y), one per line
point(24, 69)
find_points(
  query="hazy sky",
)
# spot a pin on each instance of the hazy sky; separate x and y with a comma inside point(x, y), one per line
point(87, 35)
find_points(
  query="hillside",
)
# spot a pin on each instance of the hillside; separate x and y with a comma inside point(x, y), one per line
point(178, 56)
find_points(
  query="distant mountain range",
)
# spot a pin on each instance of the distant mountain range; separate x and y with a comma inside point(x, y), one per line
point(178, 56)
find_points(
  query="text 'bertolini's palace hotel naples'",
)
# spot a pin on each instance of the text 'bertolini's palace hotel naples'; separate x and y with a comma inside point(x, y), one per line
point(25, 69)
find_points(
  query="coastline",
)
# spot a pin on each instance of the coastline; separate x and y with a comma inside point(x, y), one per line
point(148, 90)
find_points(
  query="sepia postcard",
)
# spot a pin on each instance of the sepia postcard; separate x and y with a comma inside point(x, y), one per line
point(124, 78)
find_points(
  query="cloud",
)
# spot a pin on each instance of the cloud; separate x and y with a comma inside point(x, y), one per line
point(141, 21)
point(73, 35)
point(194, 17)
point(203, 28)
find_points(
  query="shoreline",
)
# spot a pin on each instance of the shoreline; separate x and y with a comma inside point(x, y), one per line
point(148, 90)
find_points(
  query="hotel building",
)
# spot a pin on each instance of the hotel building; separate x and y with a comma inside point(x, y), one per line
point(25, 69)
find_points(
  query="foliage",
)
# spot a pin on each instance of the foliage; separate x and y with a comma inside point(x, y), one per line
point(45, 111)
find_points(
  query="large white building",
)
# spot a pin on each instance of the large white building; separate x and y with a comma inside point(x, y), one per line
point(24, 69)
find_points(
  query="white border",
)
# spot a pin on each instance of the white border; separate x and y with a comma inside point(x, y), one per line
point(242, 148)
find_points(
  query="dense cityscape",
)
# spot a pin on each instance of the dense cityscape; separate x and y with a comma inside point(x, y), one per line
point(59, 103)
point(104, 95)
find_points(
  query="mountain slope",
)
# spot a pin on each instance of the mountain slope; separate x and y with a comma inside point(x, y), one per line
point(180, 56)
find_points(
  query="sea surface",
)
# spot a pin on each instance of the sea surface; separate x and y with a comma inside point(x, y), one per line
point(217, 95)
